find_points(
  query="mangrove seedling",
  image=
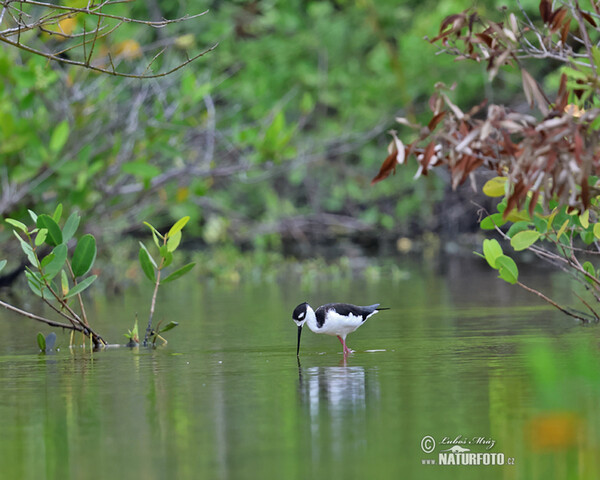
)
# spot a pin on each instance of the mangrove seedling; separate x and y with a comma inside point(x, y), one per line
point(166, 245)
point(54, 275)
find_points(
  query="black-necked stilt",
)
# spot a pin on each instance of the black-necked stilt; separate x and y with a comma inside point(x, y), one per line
point(337, 319)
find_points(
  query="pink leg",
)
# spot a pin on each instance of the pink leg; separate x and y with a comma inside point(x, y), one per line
point(344, 346)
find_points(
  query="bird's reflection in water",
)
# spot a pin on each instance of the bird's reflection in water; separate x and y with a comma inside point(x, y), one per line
point(338, 400)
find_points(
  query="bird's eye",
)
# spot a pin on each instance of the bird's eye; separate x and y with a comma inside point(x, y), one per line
point(301, 316)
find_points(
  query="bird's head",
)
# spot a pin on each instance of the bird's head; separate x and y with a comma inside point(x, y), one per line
point(299, 318)
point(299, 315)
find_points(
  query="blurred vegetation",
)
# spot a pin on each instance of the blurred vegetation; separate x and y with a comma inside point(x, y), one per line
point(267, 141)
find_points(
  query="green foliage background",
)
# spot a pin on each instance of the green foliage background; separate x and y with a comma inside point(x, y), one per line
point(283, 123)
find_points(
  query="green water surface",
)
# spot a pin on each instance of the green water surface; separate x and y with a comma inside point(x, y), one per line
point(460, 356)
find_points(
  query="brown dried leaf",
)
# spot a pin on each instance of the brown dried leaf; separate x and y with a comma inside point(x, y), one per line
point(436, 120)
point(564, 31)
point(577, 146)
point(388, 166)
point(533, 91)
point(557, 18)
point(546, 10)
point(484, 38)
point(427, 154)
point(587, 17)
point(533, 202)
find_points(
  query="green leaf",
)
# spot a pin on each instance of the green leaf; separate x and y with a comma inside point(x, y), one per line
point(492, 250)
point(64, 282)
point(84, 255)
point(589, 268)
point(32, 215)
point(492, 221)
point(587, 237)
point(81, 286)
point(562, 229)
point(16, 224)
point(41, 236)
point(495, 187)
point(54, 237)
point(507, 269)
point(41, 341)
point(46, 260)
point(178, 273)
point(551, 219)
point(36, 285)
point(518, 227)
point(155, 234)
point(149, 256)
point(2, 264)
point(596, 56)
point(168, 259)
point(179, 224)
point(584, 219)
point(27, 250)
point(524, 239)
point(140, 169)
point(173, 241)
point(57, 213)
point(56, 264)
point(71, 226)
point(168, 326)
point(146, 263)
point(59, 137)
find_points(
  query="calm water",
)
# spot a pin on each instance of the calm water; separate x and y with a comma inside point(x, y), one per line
point(460, 355)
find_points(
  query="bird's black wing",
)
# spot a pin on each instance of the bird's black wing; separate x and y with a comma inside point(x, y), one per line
point(344, 309)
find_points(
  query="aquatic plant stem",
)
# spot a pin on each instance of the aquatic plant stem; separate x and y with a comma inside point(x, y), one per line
point(83, 314)
point(97, 339)
point(47, 321)
point(153, 303)
point(553, 303)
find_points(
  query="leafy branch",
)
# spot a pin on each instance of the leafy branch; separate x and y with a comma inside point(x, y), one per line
point(547, 160)
point(79, 33)
point(44, 268)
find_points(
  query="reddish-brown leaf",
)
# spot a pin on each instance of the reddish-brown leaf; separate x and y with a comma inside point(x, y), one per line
point(551, 160)
point(546, 10)
point(485, 39)
point(564, 31)
point(533, 202)
point(515, 198)
point(578, 146)
point(562, 99)
point(472, 18)
point(477, 108)
point(508, 145)
point(587, 17)
point(557, 18)
point(585, 192)
point(471, 164)
point(436, 120)
point(449, 20)
point(427, 154)
point(388, 166)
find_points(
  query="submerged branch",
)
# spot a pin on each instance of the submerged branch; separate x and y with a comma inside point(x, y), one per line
point(577, 315)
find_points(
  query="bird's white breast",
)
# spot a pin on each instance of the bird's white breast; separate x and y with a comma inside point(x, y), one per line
point(336, 324)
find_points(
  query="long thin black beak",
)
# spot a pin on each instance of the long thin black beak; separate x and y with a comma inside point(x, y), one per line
point(299, 334)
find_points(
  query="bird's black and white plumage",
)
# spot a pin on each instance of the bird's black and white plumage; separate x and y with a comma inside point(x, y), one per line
point(338, 319)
